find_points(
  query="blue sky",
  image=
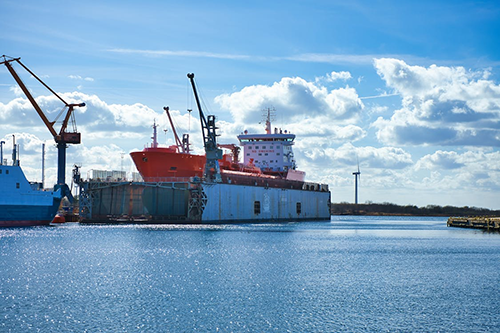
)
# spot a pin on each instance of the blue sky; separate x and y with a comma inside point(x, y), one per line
point(409, 89)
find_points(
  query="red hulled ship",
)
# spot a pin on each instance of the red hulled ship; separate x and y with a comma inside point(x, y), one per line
point(268, 156)
point(157, 164)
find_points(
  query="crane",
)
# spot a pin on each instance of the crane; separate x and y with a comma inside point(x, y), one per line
point(183, 145)
point(213, 153)
point(63, 137)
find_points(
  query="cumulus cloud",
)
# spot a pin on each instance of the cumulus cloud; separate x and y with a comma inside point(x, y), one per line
point(96, 117)
point(472, 170)
point(305, 108)
point(477, 160)
point(30, 144)
point(334, 76)
point(440, 105)
point(369, 157)
point(440, 159)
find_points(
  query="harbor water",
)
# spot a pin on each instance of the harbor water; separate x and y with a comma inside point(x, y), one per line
point(350, 274)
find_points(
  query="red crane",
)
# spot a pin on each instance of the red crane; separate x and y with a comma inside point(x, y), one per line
point(63, 137)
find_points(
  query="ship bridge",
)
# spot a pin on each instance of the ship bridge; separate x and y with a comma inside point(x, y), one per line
point(272, 153)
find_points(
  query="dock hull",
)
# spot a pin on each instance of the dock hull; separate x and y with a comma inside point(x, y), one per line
point(239, 203)
point(198, 202)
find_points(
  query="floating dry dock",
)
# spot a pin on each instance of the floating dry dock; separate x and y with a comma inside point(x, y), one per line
point(194, 201)
point(478, 222)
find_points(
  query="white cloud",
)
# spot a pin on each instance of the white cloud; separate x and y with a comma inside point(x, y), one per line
point(159, 53)
point(17, 91)
point(78, 77)
point(334, 76)
point(348, 155)
point(96, 116)
point(296, 100)
point(440, 105)
point(474, 171)
point(440, 159)
point(472, 160)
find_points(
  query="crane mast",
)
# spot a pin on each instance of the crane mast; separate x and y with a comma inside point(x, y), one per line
point(208, 128)
point(63, 138)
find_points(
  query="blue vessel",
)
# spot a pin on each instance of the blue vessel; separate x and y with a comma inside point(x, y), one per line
point(23, 203)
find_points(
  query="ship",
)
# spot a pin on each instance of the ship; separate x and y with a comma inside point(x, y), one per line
point(156, 163)
point(23, 203)
point(266, 155)
point(179, 187)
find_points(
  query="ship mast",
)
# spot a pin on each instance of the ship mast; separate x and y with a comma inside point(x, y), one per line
point(268, 113)
point(155, 135)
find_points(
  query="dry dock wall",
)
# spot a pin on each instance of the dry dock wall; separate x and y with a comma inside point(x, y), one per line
point(107, 202)
point(229, 203)
point(187, 202)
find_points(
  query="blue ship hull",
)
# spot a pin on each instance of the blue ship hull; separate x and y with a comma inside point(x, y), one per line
point(26, 215)
point(23, 204)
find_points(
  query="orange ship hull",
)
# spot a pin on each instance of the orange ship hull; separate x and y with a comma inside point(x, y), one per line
point(158, 164)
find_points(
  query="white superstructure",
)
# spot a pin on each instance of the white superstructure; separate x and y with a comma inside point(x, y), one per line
point(271, 152)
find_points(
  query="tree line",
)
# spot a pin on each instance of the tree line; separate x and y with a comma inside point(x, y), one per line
point(386, 208)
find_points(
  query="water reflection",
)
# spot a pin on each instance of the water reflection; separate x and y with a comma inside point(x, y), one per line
point(347, 274)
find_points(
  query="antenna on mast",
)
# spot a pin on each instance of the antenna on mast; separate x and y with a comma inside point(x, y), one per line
point(43, 165)
point(269, 114)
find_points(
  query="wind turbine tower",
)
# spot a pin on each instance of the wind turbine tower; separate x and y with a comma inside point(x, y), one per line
point(356, 175)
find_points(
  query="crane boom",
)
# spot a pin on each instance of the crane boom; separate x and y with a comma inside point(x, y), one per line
point(178, 141)
point(50, 125)
point(208, 128)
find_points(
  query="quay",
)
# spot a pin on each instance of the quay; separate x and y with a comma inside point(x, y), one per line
point(488, 223)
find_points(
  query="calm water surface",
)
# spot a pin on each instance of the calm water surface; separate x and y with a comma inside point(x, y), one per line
point(350, 274)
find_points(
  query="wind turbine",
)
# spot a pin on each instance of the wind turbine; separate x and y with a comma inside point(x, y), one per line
point(356, 175)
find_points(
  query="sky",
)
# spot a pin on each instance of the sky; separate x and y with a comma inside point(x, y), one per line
point(407, 90)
